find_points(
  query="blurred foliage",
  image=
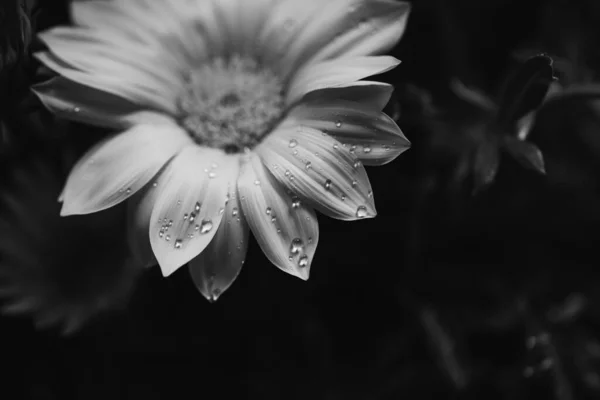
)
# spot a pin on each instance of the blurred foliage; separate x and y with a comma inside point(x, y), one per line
point(452, 292)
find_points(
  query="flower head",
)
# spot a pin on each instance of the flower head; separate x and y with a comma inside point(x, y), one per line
point(232, 115)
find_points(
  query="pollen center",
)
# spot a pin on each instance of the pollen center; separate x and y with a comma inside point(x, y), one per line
point(230, 104)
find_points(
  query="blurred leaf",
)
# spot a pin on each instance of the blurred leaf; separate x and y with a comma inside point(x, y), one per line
point(525, 90)
point(472, 96)
point(526, 153)
point(15, 32)
point(486, 163)
point(59, 270)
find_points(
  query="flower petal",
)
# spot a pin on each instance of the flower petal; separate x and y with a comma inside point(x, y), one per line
point(287, 232)
point(215, 269)
point(190, 203)
point(299, 33)
point(136, 93)
point(374, 27)
point(375, 137)
point(159, 27)
point(118, 167)
point(84, 104)
point(336, 73)
point(139, 211)
point(93, 52)
point(319, 169)
point(369, 93)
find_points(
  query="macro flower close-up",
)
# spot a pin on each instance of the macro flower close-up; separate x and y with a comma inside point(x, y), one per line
point(227, 117)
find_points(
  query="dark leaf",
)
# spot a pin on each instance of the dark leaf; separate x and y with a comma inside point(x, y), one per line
point(472, 96)
point(486, 162)
point(15, 32)
point(525, 90)
point(59, 270)
point(526, 153)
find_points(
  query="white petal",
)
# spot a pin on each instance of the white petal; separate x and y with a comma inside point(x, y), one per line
point(136, 93)
point(189, 206)
point(116, 168)
point(375, 137)
point(371, 94)
point(373, 28)
point(320, 170)
point(92, 52)
point(287, 235)
point(156, 26)
point(298, 33)
point(84, 104)
point(241, 23)
point(139, 211)
point(215, 269)
point(336, 73)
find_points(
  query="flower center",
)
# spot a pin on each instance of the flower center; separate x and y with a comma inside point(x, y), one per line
point(230, 104)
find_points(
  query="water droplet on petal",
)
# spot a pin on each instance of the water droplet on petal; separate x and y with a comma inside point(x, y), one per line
point(197, 207)
point(268, 210)
point(343, 197)
point(335, 146)
point(338, 124)
point(185, 216)
point(370, 193)
point(155, 184)
point(221, 210)
point(234, 211)
point(354, 183)
point(287, 172)
point(170, 224)
point(178, 202)
point(206, 226)
point(361, 212)
point(128, 191)
point(297, 246)
point(296, 202)
point(309, 240)
point(303, 261)
point(257, 182)
point(212, 174)
point(197, 227)
point(293, 143)
point(76, 109)
point(366, 149)
point(273, 219)
point(308, 165)
point(168, 238)
point(327, 184)
point(178, 243)
point(357, 164)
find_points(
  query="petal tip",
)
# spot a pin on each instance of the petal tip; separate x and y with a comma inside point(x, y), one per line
point(166, 270)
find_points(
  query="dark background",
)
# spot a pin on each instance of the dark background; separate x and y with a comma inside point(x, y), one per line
point(444, 295)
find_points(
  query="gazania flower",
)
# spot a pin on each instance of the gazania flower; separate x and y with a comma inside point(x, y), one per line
point(231, 115)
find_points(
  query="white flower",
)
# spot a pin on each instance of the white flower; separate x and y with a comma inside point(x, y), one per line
point(231, 114)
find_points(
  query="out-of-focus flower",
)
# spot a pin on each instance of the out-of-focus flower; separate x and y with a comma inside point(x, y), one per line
point(504, 125)
point(233, 113)
point(63, 271)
